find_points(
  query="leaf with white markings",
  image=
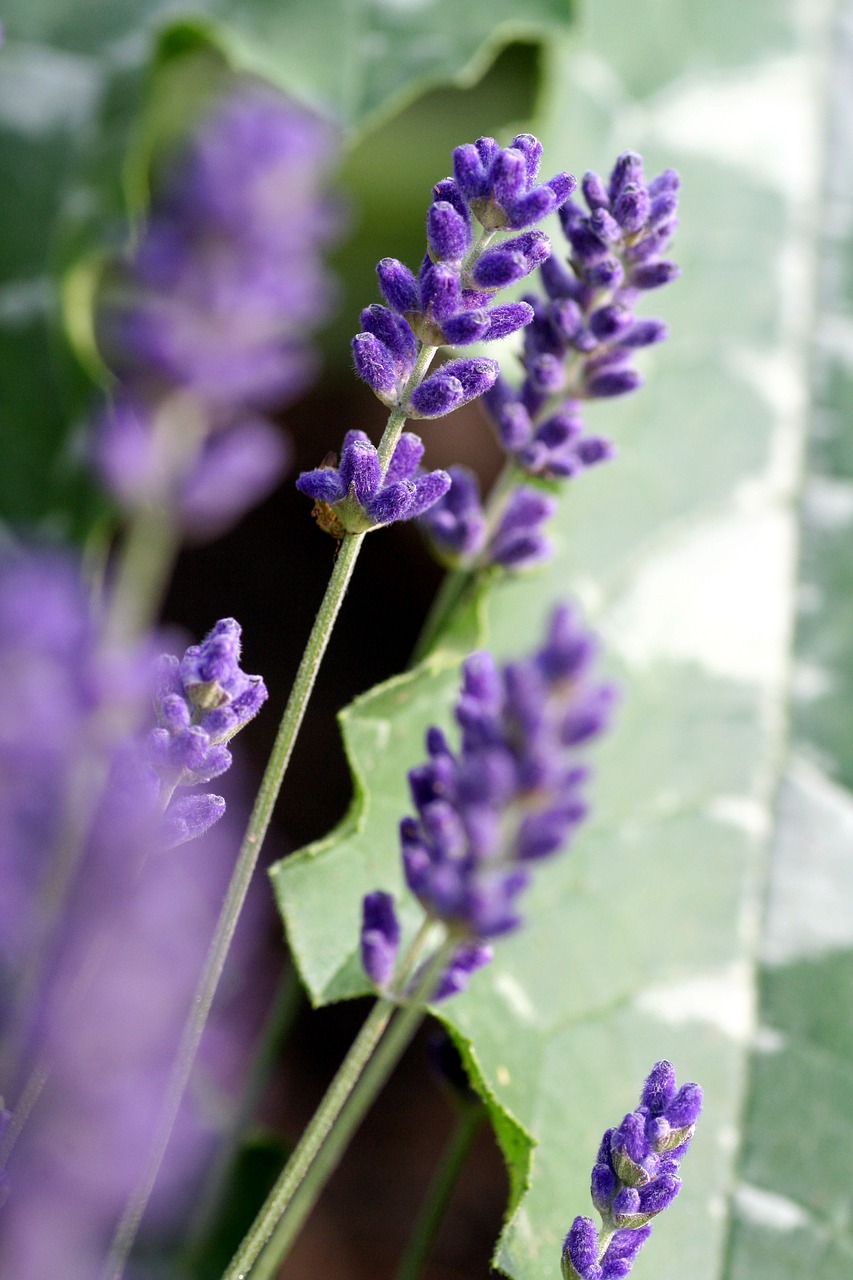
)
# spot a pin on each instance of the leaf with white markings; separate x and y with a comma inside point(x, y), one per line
point(656, 936)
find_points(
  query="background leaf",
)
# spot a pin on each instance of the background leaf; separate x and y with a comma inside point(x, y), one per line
point(77, 127)
point(651, 940)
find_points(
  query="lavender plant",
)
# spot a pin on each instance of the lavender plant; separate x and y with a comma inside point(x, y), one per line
point(204, 326)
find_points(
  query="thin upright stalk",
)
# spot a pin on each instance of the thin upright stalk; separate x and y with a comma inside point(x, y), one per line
point(250, 848)
point(457, 582)
point(466, 1128)
point(145, 564)
point(377, 1049)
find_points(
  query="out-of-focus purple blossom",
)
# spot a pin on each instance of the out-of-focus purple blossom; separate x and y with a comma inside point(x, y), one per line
point(457, 528)
point(380, 937)
point(511, 796)
point(582, 338)
point(450, 301)
point(634, 1178)
point(355, 497)
point(201, 701)
point(95, 995)
point(207, 324)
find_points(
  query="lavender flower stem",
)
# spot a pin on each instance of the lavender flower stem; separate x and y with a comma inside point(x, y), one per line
point(144, 568)
point(397, 417)
point(457, 581)
point(250, 848)
point(432, 1214)
point(360, 1078)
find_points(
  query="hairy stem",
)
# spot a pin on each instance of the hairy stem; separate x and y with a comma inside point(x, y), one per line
point(250, 848)
point(373, 1056)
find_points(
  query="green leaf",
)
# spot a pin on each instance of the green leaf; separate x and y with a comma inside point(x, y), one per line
point(80, 115)
point(698, 917)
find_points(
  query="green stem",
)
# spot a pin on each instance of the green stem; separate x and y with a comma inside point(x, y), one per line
point(277, 1026)
point(236, 896)
point(362, 1074)
point(441, 1191)
point(458, 582)
point(250, 848)
point(144, 567)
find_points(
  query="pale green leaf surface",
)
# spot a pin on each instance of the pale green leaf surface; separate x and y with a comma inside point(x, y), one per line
point(698, 918)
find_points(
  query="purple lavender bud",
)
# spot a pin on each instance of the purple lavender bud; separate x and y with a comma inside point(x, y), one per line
point(448, 233)
point(562, 185)
point(380, 937)
point(512, 260)
point(594, 191)
point(440, 290)
point(664, 182)
point(322, 484)
point(653, 275)
point(437, 395)
point(399, 287)
point(391, 503)
point(628, 169)
point(537, 204)
point(360, 470)
point(612, 382)
point(659, 1089)
point(611, 322)
point(632, 207)
point(558, 278)
point(406, 458)
point(375, 366)
point(508, 176)
point(621, 1252)
point(469, 172)
point(466, 960)
point(643, 333)
point(394, 333)
point(531, 148)
point(626, 1208)
point(603, 1187)
point(456, 525)
point(518, 541)
point(468, 326)
point(190, 817)
point(507, 319)
point(684, 1110)
point(663, 209)
point(429, 490)
point(607, 273)
point(454, 384)
point(658, 1195)
point(580, 1251)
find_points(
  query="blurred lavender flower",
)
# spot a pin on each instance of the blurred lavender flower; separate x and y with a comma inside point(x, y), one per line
point(207, 324)
point(201, 701)
point(458, 532)
point(356, 497)
point(634, 1178)
point(513, 794)
point(583, 336)
point(101, 937)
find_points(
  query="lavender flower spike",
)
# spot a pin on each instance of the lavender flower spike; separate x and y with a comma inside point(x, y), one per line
point(201, 701)
point(355, 497)
point(456, 526)
point(582, 338)
point(634, 1178)
point(512, 795)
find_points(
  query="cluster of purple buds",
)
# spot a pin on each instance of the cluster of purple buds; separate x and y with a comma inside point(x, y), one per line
point(513, 795)
point(449, 302)
point(201, 701)
point(458, 531)
point(206, 324)
point(355, 496)
point(582, 338)
point(634, 1179)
